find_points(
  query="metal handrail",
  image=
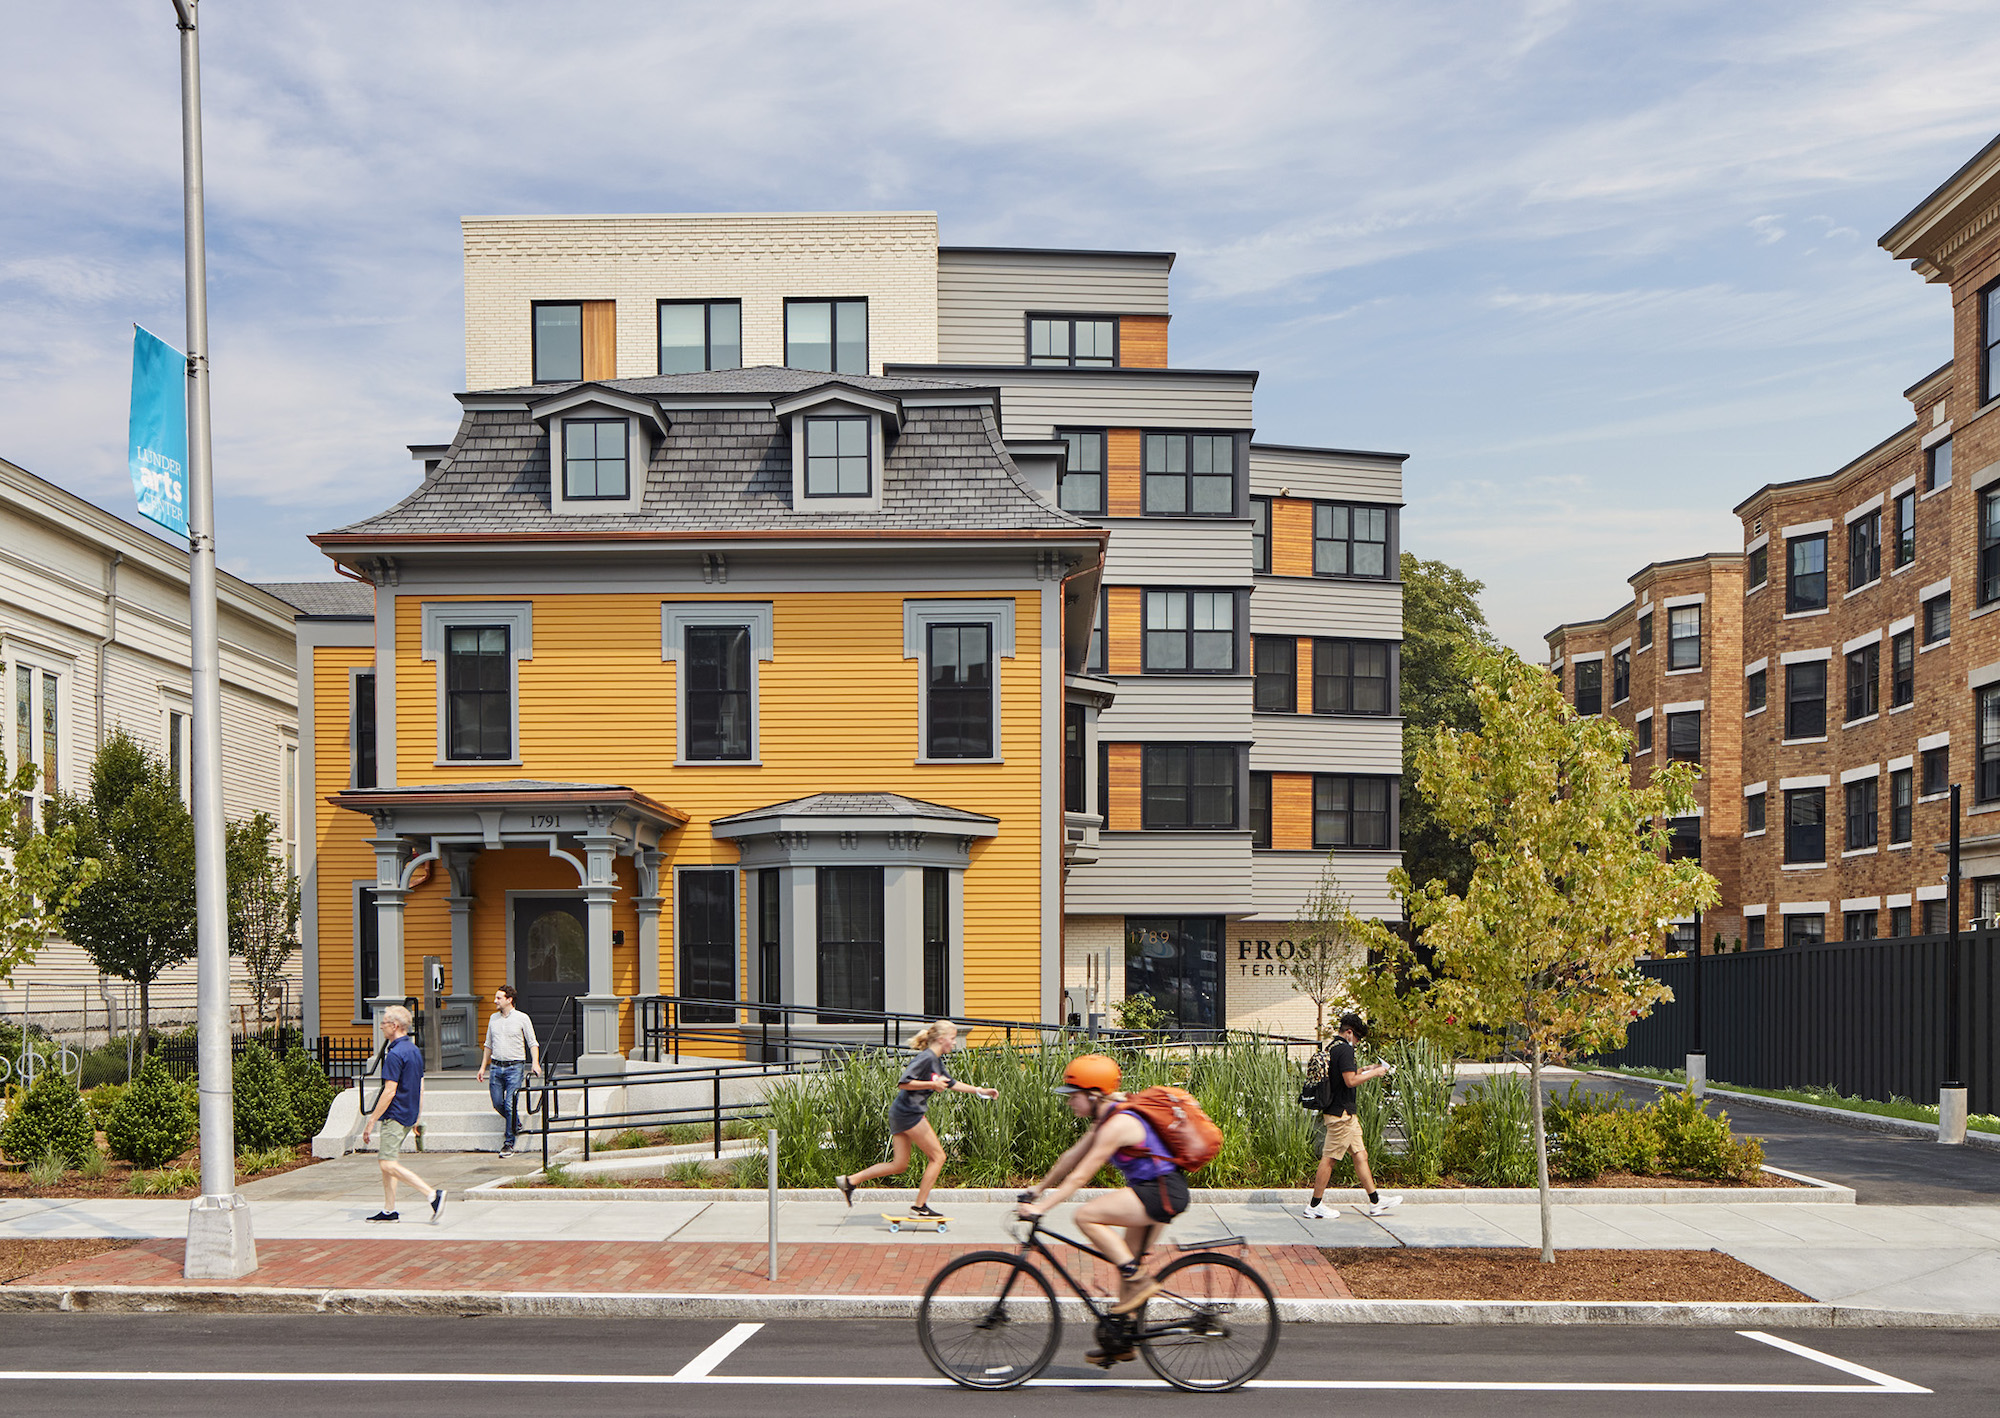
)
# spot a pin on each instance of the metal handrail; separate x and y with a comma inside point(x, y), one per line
point(550, 1091)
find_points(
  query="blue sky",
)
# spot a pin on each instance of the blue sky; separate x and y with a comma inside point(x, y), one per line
point(1600, 269)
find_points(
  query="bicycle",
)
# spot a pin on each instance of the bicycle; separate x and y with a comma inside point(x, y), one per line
point(990, 1319)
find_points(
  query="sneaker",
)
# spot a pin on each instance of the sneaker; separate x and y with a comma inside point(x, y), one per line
point(1383, 1207)
point(1319, 1212)
point(506, 1152)
point(437, 1206)
point(846, 1189)
point(926, 1213)
point(1109, 1354)
point(386, 1216)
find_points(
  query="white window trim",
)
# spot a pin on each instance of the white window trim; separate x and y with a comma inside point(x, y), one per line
point(1688, 706)
point(1935, 589)
point(1855, 775)
point(1897, 627)
point(1756, 665)
point(918, 617)
point(1808, 529)
point(1758, 910)
point(177, 702)
point(1804, 657)
point(1938, 434)
point(291, 796)
point(1930, 893)
point(1858, 852)
point(1642, 714)
point(1808, 615)
point(1908, 762)
point(1750, 790)
point(1984, 478)
point(676, 617)
point(1982, 676)
point(1802, 908)
point(1855, 514)
point(1931, 741)
point(1861, 903)
point(1582, 656)
point(22, 654)
point(1898, 901)
point(1673, 601)
point(1908, 484)
point(1763, 540)
point(439, 616)
point(1622, 645)
point(1811, 780)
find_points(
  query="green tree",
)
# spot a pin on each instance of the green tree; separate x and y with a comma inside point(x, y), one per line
point(1325, 942)
point(152, 1123)
point(264, 1114)
point(50, 1115)
point(263, 906)
point(41, 876)
point(1570, 883)
point(135, 918)
point(1441, 619)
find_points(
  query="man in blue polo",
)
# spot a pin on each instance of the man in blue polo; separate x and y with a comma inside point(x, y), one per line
point(396, 1110)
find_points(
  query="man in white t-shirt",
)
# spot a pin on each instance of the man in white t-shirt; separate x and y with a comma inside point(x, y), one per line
point(511, 1052)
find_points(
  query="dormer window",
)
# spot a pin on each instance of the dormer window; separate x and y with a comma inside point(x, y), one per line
point(596, 463)
point(837, 457)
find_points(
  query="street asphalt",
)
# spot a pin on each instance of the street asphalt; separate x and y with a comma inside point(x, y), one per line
point(219, 1367)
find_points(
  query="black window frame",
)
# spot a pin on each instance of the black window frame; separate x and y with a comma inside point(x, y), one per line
point(535, 309)
point(1078, 438)
point(1676, 644)
point(944, 701)
point(480, 694)
point(1801, 586)
point(770, 942)
point(1804, 928)
point(1347, 541)
point(834, 304)
point(1986, 743)
point(364, 769)
point(1805, 841)
point(1642, 735)
point(1902, 805)
point(937, 942)
point(1645, 638)
point(1800, 677)
point(1899, 920)
point(1902, 668)
point(1987, 528)
point(1754, 807)
point(1159, 440)
point(1094, 657)
point(1864, 683)
point(1276, 688)
point(623, 461)
point(1069, 321)
point(708, 704)
point(1937, 612)
point(1864, 550)
point(708, 309)
point(1621, 676)
point(1260, 809)
point(1260, 534)
point(1989, 342)
point(1679, 734)
point(1936, 766)
point(1905, 510)
point(1684, 839)
point(1757, 566)
point(1590, 686)
point(1753, 933)
point(1324, 813)
point(838, 458)
point(1862, 809)
point(1329, 675)
point(702, 964)
point(1858, 925)
point(1169, 806)
point(1187, 632)
point(1756, 690)
point(1937, 465)
point(849, 968)
point(1076, 733)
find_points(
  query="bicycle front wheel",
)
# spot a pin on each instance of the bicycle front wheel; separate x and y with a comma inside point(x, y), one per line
point(1213, 1325)
point(989, 1320)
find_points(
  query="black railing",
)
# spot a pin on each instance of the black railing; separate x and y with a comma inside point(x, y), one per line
point(563, 1104)
point(1867, 1017)
point(182, 1056)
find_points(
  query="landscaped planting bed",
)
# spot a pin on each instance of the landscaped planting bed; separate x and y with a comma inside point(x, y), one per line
point(1496, 1273)
point(20, 1257)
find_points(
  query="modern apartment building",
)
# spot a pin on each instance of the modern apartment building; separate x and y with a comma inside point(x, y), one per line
point(1228, 724)
point(1867, 687)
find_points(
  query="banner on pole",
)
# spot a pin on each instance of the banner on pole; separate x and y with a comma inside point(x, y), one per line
point(158, 441)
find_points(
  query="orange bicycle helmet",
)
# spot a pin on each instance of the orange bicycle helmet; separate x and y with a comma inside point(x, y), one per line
point(1089, 1073)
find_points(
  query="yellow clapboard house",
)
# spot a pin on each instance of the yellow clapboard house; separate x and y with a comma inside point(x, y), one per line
point(743, 686)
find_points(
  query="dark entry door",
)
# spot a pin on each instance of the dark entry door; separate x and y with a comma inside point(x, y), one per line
point(1178, 961)
point(551, 967)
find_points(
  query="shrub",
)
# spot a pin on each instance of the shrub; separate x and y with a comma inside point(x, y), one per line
point(102, 1101)
point(1489, 1139)
point(1607, 1140)
point(312, 1092)
point(105, 1065)
point(152, 1123)
point(1696, 1143)
point(51, 1114)
point(264, 1116)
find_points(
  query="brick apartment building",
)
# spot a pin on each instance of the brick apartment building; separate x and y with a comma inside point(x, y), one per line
point(1854, 685)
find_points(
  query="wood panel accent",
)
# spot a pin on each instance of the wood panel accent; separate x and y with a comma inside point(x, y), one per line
point(1123, 810)
point(1124, 633)
point(1292, 812)
point(600, 339)
point(1291, 536)
point(1304, 665)
point(1123, 484)
point(1142, 341)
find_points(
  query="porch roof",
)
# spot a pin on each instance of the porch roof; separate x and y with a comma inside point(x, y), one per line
point(855, 812)
point(511, 794)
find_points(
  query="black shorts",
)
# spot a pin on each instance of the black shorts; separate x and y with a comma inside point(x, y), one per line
point(1164, 1196)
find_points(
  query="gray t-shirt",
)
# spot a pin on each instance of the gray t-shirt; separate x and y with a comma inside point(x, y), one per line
point(509, 1036)
point(909, 1108)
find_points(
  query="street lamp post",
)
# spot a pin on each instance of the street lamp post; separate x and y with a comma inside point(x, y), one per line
point(1951, 1097)
point(1697, 1059)
point(219, 1243)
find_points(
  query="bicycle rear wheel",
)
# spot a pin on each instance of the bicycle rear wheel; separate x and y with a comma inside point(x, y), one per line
point(1213, 1325)
point(989, 1320)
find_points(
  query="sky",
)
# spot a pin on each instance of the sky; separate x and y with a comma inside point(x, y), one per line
point(1600, 269)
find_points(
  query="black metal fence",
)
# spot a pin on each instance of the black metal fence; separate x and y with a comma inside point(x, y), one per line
point(1868, 1017)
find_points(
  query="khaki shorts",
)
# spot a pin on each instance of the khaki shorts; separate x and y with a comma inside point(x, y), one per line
point(1343, 1135)
point(389, 1138)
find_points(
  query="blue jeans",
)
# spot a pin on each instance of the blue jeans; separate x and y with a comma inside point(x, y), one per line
point(503, 1085)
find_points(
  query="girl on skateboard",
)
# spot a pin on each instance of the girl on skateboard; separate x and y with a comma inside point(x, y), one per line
point(908, 1125)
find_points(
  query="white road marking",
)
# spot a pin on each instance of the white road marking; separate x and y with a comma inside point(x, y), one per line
point(703, 1364)
point(1846, 1366)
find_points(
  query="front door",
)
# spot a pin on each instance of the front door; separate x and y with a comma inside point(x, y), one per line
point(551, 967)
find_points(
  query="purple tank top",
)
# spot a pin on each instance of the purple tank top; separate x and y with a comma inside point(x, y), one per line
point(1143, 1164)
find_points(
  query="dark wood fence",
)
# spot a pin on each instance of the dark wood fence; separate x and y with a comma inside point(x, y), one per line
point(1867, 1017)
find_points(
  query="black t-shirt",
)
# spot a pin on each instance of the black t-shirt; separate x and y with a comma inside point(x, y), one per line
point(1339, 1063)
point(910, 1104)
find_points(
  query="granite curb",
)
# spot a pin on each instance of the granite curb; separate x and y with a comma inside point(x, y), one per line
point(176, 1299)
point(1844, 1117)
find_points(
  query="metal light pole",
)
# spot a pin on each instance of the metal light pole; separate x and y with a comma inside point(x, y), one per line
point(219, 1243)
point(1697, 1059)
point(1951, 1097)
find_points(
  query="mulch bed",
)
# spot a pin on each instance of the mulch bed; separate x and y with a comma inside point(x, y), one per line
point(23, 1257)
point(1628, 1180)
point(15, 1182)
point(1517, 1273)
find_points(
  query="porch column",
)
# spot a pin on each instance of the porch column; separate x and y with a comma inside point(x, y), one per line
point(646, 865)
point(460, 991)
point(391, 987)
point(598, 1049)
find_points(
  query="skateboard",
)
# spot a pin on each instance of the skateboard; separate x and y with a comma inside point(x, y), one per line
point(897, 1223)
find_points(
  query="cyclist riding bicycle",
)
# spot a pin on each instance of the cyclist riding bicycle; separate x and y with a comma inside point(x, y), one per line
point(1120, 1224)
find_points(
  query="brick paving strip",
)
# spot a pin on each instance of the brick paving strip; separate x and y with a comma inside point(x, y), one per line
point(612, 1268)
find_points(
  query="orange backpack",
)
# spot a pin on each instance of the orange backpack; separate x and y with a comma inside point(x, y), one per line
point(1191, 1138)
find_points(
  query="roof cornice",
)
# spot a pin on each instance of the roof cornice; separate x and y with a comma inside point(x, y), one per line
point(1964, 207)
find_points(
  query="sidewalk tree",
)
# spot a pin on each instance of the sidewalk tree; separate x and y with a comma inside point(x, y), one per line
point(1441, 620)
point(41, 874)
point(135, 917)
point(1571, 883)
point(1325, 941)
point(263, 906)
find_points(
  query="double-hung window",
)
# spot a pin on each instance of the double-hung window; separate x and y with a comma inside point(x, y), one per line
point(831, 335)
point(1937, 466)
point(1621, 676)
point(479, 701)
point(1804, 929)
point(1094, 656)
point(1086, 342)
point(1937, 618)
point(1190, 632)
point(1351, 811)
point(1188, 787)
point(1862, 808)
point(1989, 343)
point(1076, 787)
point(837, 457)
point(1642, 734)
point(706, 916)
point(596, 464)
point(1805, 589)
point(718, 696)
point(1082, 488)
point(1684, 839)
point(937, 942)
point(1805, 825)
point(851, 941)
point(1590, 686)
point(1989, 546)
point(1864, 550)
point(1757, 566)
point(1902, 798)
point(1351, 677)
point(1684, 637)
point(363, 771)
point(698, 335)
point(37, 732)
point(1753, 811)
point(1986, 719)
point(1350, 541)
point(958, 664)
point(1756, 689)
point(1260, 810)
point(1805, 700)
point(1903, 669)
point(1906, 528)
point(1864, 674)
point(1260, 534)
point(1190, 474)
point(1277, 671)
point(1684, 736)
point(770, 941)
point(1936, 763)
point(1646, 631)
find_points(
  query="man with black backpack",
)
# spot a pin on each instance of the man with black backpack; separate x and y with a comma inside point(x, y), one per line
point(1331, 1080)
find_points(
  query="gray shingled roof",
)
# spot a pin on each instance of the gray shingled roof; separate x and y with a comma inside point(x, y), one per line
point(323, 597)
point(729, 470)
point(859, 805)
